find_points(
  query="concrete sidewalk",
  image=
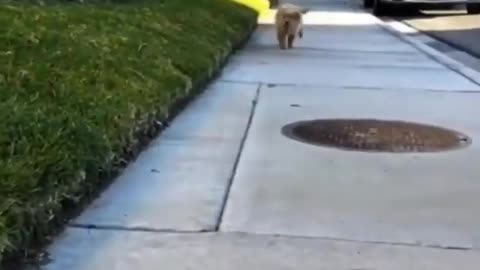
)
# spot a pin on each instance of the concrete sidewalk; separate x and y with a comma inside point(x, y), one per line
point(222, 188)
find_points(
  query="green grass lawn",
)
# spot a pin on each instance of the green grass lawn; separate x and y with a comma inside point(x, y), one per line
point(80, 82)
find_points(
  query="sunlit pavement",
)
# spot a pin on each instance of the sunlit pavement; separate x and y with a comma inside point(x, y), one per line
point(224, 188)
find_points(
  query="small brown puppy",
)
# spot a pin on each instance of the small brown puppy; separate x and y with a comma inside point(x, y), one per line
point(289, 23)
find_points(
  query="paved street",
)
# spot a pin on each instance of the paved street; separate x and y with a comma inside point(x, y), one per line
point(223, 188)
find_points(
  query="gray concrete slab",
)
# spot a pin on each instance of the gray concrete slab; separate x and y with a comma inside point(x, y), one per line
point(179, 182)
point(285, 187)
point(268, 55)
point(218, 113)
point(80, 249)
point(358, 38)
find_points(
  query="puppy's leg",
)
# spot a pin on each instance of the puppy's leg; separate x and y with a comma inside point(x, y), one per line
point(300, 33)
point(281, 39)
point(291, 38)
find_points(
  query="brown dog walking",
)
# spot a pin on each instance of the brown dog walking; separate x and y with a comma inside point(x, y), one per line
point(289, 24)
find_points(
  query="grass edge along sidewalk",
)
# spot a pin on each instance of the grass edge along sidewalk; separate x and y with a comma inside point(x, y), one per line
point(84, 87)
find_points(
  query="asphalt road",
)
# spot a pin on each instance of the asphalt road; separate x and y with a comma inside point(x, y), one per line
point(455, 28)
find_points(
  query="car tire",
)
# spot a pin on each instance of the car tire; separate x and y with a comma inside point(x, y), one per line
point(379, 8)
point(409, 10)
point(473, 8)
point(368, 3)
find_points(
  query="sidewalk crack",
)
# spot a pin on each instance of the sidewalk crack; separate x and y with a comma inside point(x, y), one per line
point(237, 159)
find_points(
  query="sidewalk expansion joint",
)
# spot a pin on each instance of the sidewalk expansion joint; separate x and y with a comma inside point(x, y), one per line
point(352, 87)
point(372, 242)
point(239, 82)
point(392, 52)
point(237, 158)
point(136, 229)
point(215, 231)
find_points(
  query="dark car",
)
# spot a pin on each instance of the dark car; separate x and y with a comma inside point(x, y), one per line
point(381, 7)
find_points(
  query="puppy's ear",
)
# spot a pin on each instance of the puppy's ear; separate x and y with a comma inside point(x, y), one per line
point(304, 10)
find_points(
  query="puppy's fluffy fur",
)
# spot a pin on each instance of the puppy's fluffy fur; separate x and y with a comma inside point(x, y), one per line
point(289, 24)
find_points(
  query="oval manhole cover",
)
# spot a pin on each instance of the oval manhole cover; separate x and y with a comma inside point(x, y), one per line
point(376, 135)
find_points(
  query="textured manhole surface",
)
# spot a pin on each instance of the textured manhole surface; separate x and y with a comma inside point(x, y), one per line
point(376, 135)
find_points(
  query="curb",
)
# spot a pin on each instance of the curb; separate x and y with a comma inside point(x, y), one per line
point(414, 39)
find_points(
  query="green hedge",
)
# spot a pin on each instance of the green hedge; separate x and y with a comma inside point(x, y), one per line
point(80, 82)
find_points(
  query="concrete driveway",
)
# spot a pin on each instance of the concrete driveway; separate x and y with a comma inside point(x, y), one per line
point(223, 188)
